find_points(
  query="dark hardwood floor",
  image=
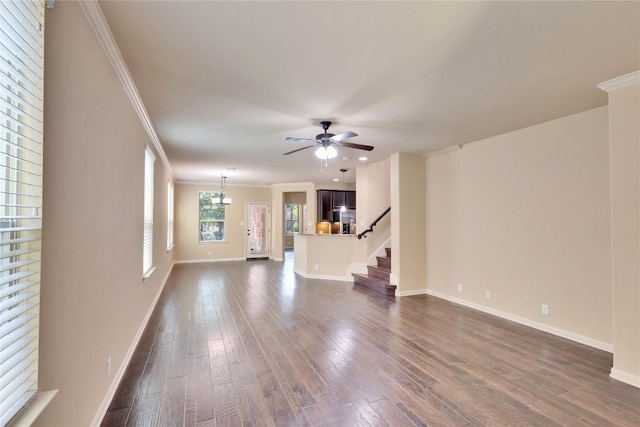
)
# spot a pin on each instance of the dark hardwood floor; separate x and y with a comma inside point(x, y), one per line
point(250, 343)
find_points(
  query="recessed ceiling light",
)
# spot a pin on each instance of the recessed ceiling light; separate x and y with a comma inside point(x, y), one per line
point(362, 159)
point(336, 179)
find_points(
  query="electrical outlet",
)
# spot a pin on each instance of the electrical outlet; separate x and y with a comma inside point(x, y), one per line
point(109, 366)
point(209, 253)
point(487, 294)
point(545, 309)
point(316, 267)
point(459, 287)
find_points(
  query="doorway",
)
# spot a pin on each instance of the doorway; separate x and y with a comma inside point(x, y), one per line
point(293, 216)
point(258, 218)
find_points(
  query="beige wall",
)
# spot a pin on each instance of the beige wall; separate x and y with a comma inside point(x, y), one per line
point(525, 215)
point(407, 223)
point(188, 248)
point(373, 196)
point(93, 301)
point(624, 122)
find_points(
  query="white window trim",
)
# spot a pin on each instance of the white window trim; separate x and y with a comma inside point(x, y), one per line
point(170, 215)
point(147, 239)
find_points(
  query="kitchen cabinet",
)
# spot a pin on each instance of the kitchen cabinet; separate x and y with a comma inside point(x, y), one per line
point(350, 199)
point(338, 199)
point(330, 201)
point(325, 205)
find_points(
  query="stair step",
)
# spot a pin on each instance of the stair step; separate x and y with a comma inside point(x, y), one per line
point(384, 262)
point(379, 272)
point(374, 284)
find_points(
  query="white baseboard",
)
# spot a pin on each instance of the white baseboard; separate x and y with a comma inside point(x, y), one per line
point(277, 259)
point(410, 293)
point(625, 377)
point(102, 409)
point(195, 261)
point(527, 322)
point(322, 277)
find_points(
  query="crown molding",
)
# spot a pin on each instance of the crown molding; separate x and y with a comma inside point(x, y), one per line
point(442, 151)
point(98, 23)
point(620, 82)
point(291, 184)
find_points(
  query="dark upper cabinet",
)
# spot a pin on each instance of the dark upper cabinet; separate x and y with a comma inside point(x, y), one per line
point(338, 199)
point(330, 201)
point(325, 205)
point(350, 199)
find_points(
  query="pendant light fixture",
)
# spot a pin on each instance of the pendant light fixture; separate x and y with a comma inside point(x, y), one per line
point(344, 207)
point(222, 199)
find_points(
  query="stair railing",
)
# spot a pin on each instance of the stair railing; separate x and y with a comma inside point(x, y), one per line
point(373, 224)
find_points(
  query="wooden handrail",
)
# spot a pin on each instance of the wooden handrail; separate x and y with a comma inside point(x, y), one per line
point(373, 224)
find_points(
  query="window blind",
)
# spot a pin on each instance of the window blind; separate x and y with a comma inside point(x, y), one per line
point(21, 104)
point(147, 257)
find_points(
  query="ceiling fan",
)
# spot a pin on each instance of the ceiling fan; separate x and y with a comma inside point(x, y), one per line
point(326, 141)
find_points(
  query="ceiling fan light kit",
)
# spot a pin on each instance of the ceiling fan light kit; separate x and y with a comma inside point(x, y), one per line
point(326, 153)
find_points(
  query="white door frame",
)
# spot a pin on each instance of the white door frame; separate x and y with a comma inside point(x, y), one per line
point(249, 252)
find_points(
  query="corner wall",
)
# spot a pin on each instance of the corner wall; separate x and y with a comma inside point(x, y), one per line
point(525, 215)
point(93, 299)
point(407, 223)
point(624, 131)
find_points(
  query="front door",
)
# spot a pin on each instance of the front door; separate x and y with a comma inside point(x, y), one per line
point(258, 222)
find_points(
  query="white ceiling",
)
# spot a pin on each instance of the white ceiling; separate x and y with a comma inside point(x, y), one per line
point(224, 82)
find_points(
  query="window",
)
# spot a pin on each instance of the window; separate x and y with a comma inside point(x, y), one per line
point(170, 207)
point(211, 218)
point(291, 219)
point(147, 256)
point(21, 82)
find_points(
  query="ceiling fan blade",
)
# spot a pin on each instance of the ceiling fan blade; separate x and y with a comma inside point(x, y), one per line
point(356, 146)
point(299, 149)
point(296, 139)
point(341, 136)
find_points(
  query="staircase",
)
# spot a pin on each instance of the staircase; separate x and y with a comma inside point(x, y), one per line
point(377, 279)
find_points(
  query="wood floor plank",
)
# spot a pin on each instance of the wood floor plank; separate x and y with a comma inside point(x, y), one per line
point(172, 408)
point(252, 344)
point(145, 411)
point(204, 390)
point(277, 403)
point(391, 414)
point(218, 365)
point(225, 405)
